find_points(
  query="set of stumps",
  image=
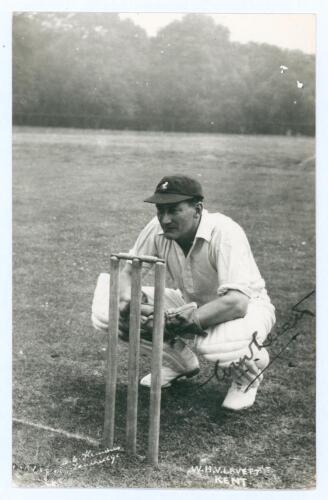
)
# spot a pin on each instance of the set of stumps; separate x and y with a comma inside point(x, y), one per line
point(134, 354)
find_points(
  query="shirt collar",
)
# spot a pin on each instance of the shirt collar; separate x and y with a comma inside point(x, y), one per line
point(204, 228)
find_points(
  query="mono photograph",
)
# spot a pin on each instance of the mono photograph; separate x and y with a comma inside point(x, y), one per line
point(163, 250)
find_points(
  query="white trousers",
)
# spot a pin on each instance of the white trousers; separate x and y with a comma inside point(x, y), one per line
point(226, 342)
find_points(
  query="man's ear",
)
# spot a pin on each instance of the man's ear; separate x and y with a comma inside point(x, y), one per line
point(199, 208)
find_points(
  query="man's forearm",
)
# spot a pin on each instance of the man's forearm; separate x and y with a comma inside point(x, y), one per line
point(232, 305)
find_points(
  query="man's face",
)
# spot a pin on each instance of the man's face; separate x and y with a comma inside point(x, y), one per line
point(179, 221)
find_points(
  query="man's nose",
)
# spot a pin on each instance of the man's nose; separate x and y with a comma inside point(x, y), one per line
point(166, 218)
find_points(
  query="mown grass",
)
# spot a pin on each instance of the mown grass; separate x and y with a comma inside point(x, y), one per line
point(77, 197)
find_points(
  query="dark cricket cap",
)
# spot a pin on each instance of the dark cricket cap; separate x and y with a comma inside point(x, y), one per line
point(175, 188)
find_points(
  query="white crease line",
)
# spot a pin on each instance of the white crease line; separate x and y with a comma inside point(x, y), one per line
point(307, 160)
point(69, 435)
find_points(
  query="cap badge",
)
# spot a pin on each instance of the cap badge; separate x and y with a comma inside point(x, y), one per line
point(164, 186)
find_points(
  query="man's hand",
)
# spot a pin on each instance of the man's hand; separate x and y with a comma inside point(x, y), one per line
point(183, 321)
point(178, 322)
point(146, 319)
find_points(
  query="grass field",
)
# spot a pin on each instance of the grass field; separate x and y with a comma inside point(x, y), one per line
point(77, 196)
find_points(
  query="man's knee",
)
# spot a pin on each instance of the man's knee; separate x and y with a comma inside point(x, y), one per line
point(230, 341)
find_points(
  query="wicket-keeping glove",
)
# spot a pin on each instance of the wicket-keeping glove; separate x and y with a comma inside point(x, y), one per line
point(146, 320)
point(178, 322)
point(183, 322)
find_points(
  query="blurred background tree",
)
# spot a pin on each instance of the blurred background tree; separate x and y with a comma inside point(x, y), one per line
point(96, 70)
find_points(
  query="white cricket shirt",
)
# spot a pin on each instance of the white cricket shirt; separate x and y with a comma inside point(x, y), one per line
point(219, 259)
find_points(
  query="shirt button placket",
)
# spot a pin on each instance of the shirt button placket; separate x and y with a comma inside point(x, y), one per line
point(187, 277)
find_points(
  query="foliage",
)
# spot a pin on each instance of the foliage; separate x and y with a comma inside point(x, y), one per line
point(96, 70)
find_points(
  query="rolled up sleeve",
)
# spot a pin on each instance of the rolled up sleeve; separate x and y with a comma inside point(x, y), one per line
point(237, 269)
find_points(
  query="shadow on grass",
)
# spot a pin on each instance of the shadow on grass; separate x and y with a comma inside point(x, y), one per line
point(183, 398)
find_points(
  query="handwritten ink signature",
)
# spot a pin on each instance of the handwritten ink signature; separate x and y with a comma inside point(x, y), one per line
point(227, 371)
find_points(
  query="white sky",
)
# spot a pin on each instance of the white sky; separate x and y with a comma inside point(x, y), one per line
point(291, 31)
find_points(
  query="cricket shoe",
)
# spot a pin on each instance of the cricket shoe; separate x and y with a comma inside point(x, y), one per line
point(240, 396)
point(168, 377)
point(180, 362)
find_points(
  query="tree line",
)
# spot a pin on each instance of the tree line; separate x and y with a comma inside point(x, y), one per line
point(95, 70)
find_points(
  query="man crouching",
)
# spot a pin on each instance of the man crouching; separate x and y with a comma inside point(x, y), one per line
point(214, 292)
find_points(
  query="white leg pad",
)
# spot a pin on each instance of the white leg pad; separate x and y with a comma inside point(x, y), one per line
point(229, 341)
